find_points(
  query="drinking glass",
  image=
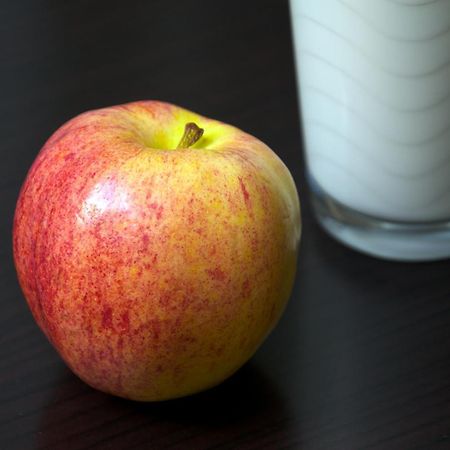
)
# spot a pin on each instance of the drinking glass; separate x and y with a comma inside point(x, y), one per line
point(374, 88)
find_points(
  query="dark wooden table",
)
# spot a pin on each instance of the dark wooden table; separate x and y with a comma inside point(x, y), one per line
point(361, 357)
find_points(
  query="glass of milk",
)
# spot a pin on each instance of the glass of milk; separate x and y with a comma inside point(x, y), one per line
point(374, 86)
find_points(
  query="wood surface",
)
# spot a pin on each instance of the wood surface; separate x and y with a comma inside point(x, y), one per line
point(360, 360)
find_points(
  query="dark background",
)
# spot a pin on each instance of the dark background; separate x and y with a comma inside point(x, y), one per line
point(360, 359)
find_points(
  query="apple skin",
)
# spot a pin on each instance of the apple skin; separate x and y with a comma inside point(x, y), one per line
point(155, 272)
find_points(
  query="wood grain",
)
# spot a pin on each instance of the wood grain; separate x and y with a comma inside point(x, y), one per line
point(360, 359)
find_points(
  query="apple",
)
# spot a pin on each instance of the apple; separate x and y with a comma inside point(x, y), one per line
point(156, 248)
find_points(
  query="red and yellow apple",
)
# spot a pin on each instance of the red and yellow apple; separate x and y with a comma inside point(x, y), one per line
point(154, 258)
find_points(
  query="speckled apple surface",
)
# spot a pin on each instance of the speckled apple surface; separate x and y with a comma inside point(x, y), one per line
point(155, 272)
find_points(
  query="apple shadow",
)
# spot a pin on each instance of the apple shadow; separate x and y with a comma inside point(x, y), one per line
point(243, 395)
point(77, 416)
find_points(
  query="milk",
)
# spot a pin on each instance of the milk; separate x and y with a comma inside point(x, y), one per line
point(374, 84)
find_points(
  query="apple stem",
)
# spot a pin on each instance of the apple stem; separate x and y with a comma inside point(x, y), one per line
point(192, 133)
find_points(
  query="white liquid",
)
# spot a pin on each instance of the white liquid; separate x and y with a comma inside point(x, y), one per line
point(374, 82)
